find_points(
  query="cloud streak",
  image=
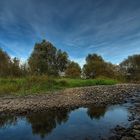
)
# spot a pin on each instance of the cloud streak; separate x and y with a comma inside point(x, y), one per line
point(110, 28)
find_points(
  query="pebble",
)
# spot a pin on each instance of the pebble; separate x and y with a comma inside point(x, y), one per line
point(127, 138)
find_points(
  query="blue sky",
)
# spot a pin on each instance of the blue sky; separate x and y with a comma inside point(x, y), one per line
point(110, 28)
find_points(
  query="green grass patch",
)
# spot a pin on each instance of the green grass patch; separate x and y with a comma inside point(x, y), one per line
point(43, 84)
point(87, 82)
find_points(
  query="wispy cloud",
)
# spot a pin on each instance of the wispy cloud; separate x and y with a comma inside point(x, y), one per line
point(110, 28)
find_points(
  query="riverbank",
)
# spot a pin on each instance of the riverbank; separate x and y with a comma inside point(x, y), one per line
point(132, 132)
point(68, 98)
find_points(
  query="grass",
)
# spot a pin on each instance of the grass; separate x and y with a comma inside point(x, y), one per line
point(43, 84)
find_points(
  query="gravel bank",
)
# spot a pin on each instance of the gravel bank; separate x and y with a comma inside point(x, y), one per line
point(97, 95)
point(133, 131)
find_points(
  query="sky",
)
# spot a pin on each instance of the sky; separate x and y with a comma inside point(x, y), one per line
point(110, 28)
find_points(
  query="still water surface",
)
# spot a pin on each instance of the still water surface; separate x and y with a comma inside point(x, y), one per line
point(77, 124)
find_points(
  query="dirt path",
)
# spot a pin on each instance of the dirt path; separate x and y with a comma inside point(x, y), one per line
point(97, 95)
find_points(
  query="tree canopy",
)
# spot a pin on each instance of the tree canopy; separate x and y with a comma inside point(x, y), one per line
point(96, 66)
point(5, 63)
point(73, 70)
point(130, 67)
point(46, 59)
point(9, 66)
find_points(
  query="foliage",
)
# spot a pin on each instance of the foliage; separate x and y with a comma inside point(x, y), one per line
point(10, 67)
point(46, 59)
point(5, 63)
point(73, 70)
point(95, 66)
point(130, 68)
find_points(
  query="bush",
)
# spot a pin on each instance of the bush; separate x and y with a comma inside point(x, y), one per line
point(63, 83)
point(37, 79)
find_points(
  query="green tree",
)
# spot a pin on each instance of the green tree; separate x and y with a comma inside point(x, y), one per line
point(15, 68)
point(95, 66)
point(5, 64)
point(130, 68)
point(24, 69)
point(73, 70)
point(62, 60)
point(46, 59)
point(9, 66)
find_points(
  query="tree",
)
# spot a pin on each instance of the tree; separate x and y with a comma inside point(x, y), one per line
point(73, 70)
point(95, 66)
point(9, 66)
point(5, 63)
point(24, 69)
point(46, 59)
point(15, 68)
point(62, 60)
point(130, 67)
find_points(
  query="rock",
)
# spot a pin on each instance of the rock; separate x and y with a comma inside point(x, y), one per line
point(137, 126)
point(136, 122)
point(131, 118)
point(137, 137)
point(114, 137)
point(72, 97)
point(120, 130)
point(136, 132)
point(127, 138)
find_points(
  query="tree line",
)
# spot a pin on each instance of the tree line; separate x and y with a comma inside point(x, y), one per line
point(46, 59)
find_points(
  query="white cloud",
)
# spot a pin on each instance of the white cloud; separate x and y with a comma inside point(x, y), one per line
point(80, 61)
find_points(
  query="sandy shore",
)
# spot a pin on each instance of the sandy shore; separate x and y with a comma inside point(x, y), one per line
point(97, 95)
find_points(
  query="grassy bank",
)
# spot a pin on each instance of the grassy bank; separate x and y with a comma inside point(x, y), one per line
point(43, 84)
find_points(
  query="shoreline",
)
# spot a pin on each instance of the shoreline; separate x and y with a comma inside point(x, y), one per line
point(68, 98)
point(132, 131)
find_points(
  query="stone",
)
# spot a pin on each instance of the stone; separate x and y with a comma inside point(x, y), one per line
point(136, 131)
point(127, 138)
point(137, 137)
point(114, 137)
point(137, 126)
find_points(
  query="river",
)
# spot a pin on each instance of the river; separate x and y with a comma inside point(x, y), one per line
point(84, 123)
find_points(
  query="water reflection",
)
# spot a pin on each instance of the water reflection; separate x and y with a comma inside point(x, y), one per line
point(96, 112)
point(44, 123)
point(7, 120)
point(57, 124)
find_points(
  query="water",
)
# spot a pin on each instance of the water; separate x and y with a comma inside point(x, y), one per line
point(77, 124)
